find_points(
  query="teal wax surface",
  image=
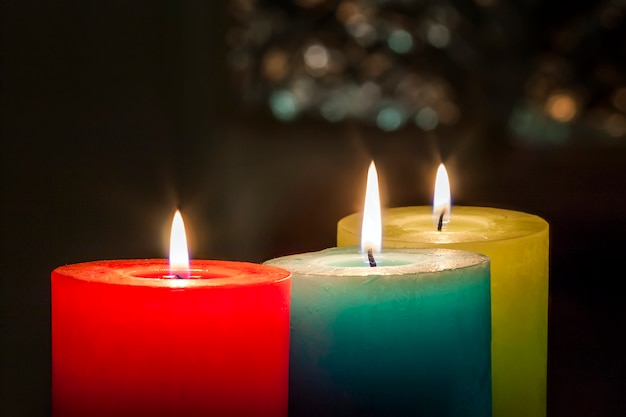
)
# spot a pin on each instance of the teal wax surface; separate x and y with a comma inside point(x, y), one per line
point(412, 338)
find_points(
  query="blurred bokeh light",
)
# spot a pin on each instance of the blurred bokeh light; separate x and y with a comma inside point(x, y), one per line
point(545, 75)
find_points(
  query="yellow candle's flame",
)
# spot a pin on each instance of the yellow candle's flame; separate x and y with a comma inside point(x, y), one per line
point(179, 255)
point(371, 232)
point(441, 199)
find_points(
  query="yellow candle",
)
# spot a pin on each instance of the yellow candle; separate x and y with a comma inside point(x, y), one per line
point(517, 244)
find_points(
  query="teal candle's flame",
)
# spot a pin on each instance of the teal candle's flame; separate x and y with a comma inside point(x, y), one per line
point(371, 231)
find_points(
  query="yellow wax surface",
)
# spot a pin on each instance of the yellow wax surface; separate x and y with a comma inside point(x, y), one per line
point(517, 244)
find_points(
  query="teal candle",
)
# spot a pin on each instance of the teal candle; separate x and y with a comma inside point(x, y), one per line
point(409, 337)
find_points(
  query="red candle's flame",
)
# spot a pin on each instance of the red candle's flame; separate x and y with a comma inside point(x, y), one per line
point(179, 255)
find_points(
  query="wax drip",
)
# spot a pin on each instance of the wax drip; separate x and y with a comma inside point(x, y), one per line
point(370, 257)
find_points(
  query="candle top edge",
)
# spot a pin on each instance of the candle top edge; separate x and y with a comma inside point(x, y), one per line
point(467, 224)
point(155, 272)
point(349, 261)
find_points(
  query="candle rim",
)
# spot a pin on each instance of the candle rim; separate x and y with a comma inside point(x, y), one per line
point(534, 224)
point(425, 262)
point(145, 272)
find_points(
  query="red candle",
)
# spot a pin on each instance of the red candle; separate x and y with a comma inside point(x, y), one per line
point(130, 339)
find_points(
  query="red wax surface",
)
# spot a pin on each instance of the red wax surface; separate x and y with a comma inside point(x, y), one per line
point(216, 345)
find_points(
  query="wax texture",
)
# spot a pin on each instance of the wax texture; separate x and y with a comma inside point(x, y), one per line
point(389, 341)
point(123, 345)
point(518, 246)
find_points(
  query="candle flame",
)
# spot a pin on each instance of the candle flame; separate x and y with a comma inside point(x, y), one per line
point(441, 199)
point(371, 232)
point(179, 255)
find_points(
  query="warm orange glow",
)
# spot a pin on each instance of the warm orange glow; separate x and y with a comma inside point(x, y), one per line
point(561, 107)
point(371, 232)
point(179, 255)
point(441, 199)
point(276, 65)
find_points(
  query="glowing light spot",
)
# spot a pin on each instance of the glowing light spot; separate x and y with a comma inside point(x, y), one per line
point(427, 118)
point(561, 107)
point(390, 118)
point(438, 35)
point(400, 41)
point(316, 59)
point(283, 105)
point(275, 65)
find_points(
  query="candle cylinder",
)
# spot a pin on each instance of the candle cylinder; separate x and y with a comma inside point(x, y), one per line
point(517, 244)
point(128, 342)
point(408, 337)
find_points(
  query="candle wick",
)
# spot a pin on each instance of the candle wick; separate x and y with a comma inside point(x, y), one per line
point(370, 257)
point(440, 223)
point(178, 276)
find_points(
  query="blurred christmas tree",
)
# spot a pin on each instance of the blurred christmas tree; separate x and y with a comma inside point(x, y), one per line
point(545, 73)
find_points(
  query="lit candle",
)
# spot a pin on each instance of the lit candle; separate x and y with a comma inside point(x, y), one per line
point(389, 333)
point(147, 338)
point(517, 244)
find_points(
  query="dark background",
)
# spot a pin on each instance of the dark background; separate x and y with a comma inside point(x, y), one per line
point(116, 113)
